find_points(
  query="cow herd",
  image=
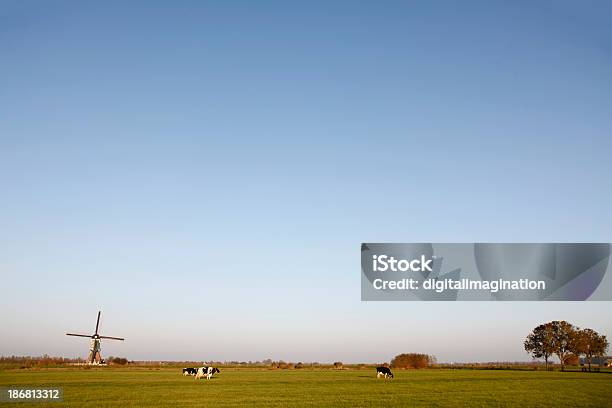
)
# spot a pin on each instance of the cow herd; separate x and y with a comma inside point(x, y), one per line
point(200, 372)
point(208, 371)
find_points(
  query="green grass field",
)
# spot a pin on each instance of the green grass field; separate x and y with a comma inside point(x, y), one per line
point(145, 387)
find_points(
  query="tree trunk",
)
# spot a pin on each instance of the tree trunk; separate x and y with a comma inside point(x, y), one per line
point(589, 361)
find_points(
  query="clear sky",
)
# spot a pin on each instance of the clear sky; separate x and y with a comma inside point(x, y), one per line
point(204, 172)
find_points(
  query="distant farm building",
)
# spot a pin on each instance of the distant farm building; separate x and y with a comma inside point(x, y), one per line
point(605, 361)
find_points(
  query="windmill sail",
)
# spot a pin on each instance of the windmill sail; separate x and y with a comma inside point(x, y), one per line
point(95, 355)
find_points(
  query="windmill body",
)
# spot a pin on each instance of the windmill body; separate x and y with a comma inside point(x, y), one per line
point(95, 356)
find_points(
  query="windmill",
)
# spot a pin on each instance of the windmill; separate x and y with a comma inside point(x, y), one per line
point(94, 351)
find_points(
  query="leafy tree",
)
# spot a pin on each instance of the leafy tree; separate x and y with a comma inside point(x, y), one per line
point(564, 336)
point(591, 344)
point(539, 343)
point(411, 360)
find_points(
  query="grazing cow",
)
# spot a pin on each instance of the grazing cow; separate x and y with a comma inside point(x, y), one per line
point(190, 371)
point(206, 372)
point(383, 371)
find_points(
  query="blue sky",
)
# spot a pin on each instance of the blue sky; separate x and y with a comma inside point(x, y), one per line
point(204, 172)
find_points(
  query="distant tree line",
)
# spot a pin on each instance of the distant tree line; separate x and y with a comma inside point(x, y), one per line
point(567, 342)
point(117, 360)
point(36, 361)
point(412, 360)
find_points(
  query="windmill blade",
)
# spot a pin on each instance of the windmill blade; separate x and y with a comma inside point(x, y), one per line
point(112, 338)
point(78, 335)
point(98, 322)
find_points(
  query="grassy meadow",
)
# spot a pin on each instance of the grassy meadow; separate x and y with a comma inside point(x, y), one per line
point(161, 387)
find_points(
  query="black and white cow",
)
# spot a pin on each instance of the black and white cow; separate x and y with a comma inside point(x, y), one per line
point(206, 372)
point(383, 371)
point(190, 371)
